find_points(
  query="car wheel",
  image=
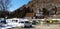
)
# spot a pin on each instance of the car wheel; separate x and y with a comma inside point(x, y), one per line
point(30, 25)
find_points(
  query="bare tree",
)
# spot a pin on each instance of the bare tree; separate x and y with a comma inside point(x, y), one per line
point(4, 4)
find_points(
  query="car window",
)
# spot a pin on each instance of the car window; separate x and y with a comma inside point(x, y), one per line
point(22, 22)
point(0, 21)
point(14, 20)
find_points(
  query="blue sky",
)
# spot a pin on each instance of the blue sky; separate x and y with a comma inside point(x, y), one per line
point(17, 3)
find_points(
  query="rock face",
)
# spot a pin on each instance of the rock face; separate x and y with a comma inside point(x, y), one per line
point(53, 6)
point(36, 6)
point(39, 4)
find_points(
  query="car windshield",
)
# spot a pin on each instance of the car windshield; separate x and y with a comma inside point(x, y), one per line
point(27, 22)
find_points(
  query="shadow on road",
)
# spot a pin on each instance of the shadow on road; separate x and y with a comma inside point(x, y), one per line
point(28, 27)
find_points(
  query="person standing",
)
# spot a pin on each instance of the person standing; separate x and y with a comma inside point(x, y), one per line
point(42, 23)
point(47, 21)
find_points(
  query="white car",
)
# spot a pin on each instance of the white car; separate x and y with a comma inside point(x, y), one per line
point(27, 24)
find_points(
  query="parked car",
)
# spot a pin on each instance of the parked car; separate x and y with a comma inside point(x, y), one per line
point(34, 22)
point(27, 24)
point(2, 22)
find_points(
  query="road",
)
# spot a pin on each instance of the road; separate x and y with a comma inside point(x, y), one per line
point(51, 26)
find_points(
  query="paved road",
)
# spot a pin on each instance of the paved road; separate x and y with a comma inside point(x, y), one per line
point(48, 27)
point(43, 27)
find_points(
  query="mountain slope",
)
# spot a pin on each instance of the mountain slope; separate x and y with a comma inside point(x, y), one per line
point(50, 7)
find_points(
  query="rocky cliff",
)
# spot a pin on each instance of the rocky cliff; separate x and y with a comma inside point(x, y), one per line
point(39, 4)
point(50, 7)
